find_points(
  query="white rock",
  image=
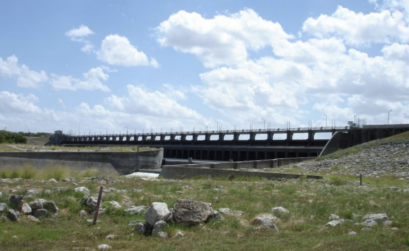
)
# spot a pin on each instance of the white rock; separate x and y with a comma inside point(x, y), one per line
point(158, 227)
point(157, 211)
point(352, 233)
point(281, 210)
point(387, 223)
point(104, 246)
point(376, 217)
point(162, 235)
point(394, 228)
point(334, 223)
point(52, 181)
point(334, 217)
point(178, 234)
point(266, 221)
point(135, 210)
point(110, 237)
point(228, 211)
point(3, 207)
point(83, 190)
point(115, 204)
point(26, 209)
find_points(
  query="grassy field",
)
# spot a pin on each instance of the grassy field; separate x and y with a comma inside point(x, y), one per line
point(310, 202)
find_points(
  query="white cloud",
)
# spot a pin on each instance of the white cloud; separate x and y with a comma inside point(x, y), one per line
point(18, 103)
point(93, 80)
point(360, 29)
point(25, 77)
point(79, 35)
point(396, 52)
point(156, 103)
point(223, 40)
point(117, 50)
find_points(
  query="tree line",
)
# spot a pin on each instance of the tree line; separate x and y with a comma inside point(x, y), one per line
point(12, 137)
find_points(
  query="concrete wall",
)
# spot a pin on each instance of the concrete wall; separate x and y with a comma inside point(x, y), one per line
point(182, 172)
point(339, 140)
point(123, 163)
point(75, 166)
point(256, 164)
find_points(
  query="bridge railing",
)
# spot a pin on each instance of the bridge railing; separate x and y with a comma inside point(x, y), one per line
point(268, 130)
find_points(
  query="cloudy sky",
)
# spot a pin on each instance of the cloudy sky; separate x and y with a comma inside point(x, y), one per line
point(98, 66)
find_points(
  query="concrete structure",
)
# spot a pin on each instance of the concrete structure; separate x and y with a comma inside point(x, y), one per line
point(107, 162)
point(241, 145)
point(183, 172)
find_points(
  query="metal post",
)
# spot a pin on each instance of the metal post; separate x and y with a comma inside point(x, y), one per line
point(360, 179)
point(101, 188)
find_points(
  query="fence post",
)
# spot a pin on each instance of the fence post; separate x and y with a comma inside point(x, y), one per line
point(101, 188)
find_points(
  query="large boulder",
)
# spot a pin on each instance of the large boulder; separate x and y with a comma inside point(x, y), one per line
point(157, 211)
point(51, 207)
point(192, 212)
point(12, 215)
point(26, 209)
point(16, 201)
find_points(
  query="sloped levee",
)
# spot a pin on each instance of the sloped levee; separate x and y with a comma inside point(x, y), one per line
point(339, 140)
point(107, 162)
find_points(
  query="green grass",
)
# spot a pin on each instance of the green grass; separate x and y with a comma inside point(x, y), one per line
point(310, 204)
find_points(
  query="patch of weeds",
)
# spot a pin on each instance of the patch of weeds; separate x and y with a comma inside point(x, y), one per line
point(336, 181)
point(347, 215)
point(207, 186)
point(28, 172)
point(14, 174)
point(55, 172)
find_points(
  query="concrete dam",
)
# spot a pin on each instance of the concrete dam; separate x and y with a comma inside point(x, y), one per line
point(241, 145)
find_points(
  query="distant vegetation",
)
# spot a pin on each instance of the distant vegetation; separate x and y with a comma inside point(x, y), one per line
point(12, 137)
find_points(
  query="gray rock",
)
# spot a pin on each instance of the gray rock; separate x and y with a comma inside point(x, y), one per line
point(51, 207)
point(376, 217)
point(192, 212)
point(135, 210)
point(52, 181)
point(3, 207)
point(83, 213)
point(36, 205)
point(352, 233)
point(90, 203)
point(334, 217)
point(216, 216)
point(134, 222)
point(16, 201)
point(369, 223)
point(32, 218)
point(394, 228)
point(83, 190)
point(32, 192)
point(162, 235)
point(228, 211)
point(140, 228)
point(158, 227)
point(157, 211)
point(40, 213)
point(387, 223)
point(12, 215)
point(281, 210)
point(266, 221)
point(26, 209)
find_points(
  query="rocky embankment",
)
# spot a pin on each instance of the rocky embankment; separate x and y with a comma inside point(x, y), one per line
point(372, 159)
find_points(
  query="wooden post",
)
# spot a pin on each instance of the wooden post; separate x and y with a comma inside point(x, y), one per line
point(101, 188)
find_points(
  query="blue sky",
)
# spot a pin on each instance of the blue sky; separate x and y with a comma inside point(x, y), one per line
point(98, 66)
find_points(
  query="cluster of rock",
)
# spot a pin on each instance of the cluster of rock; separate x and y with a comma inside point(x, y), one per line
point(158, 216)
point(34, 210)
point(368, 221)
point(373, 159)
